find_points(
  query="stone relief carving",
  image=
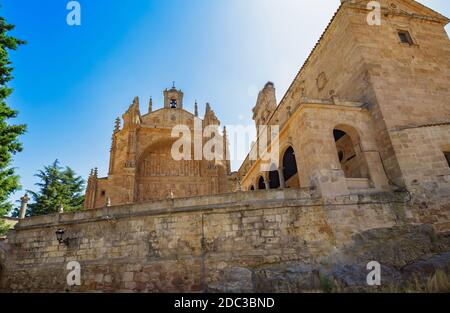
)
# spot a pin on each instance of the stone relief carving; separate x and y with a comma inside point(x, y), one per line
point(321, 81)
point(156, 165)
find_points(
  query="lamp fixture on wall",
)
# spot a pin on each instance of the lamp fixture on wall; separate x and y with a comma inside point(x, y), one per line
point(60, 237)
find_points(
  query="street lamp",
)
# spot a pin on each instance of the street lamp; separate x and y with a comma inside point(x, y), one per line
point(60, 237)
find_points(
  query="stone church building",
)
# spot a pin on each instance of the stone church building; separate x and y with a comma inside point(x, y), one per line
point(369, 111)
point(363, 175)
point(141, 165)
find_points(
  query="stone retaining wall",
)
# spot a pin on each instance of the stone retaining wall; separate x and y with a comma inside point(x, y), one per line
point(193, 244)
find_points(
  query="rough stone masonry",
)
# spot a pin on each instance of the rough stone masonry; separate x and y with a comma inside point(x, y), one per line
point(265, 241)
point(363, 175)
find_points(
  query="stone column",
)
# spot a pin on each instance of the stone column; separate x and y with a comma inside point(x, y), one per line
point(23, 206)
point(266, 183)
point(376, 170)
point(281, 178)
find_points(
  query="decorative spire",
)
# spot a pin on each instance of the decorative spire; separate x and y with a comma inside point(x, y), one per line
point(210, 116)
point(196, 108)
point(173, 85)
point(117, 125)
point(96, 172)
point(132, 117)
point(150, 105)
point(136, 101)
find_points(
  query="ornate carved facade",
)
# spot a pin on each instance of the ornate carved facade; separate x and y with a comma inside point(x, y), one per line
point(141, 165)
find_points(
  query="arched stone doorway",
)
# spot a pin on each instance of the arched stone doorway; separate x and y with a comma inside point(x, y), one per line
point(290, 171)
point(351, 157)
point(349, 152)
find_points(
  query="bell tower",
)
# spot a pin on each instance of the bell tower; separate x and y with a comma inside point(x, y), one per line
point(173, 98)
point(265, 105)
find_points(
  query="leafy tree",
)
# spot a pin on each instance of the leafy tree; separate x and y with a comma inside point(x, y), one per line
point(9, 143)
point(3, 227)
point(58, 187)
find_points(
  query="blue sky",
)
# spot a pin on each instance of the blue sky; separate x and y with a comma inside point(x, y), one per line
point(72, 82)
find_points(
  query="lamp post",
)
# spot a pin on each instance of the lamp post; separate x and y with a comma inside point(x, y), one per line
point(60, 237)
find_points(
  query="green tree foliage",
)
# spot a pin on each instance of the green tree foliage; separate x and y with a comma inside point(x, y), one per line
point(9, 143)
point(3, 227)
point(58, 187)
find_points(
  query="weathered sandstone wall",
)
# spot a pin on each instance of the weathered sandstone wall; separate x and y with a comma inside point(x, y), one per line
point(281, 240)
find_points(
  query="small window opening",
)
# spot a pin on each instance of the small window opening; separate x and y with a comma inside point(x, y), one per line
point(405, 37)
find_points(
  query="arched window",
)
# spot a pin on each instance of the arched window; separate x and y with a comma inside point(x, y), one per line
point(261, 183)
point(274, 179)
point(289, 164)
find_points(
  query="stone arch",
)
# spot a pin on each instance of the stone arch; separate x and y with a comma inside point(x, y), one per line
point(159, 176)
point(261, 183)
point(289, 167)
point(160, 146)
point(349, 152)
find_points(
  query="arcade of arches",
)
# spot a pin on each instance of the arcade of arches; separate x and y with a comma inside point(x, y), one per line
point(329, 146)
point(286, 176)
